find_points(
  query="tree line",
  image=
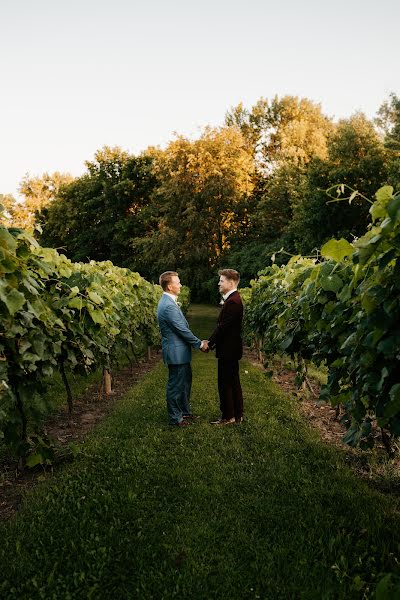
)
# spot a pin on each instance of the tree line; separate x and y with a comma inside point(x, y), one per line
point(233, 197)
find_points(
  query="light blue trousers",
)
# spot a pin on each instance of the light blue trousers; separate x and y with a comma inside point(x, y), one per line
point(179, 387)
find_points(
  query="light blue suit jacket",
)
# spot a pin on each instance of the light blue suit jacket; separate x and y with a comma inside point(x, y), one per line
point(177, 339)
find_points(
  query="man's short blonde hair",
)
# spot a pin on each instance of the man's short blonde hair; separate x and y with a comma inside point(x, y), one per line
point(230, 274)
point(166, 278)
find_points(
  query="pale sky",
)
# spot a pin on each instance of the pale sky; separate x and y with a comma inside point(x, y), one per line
point(80, 74)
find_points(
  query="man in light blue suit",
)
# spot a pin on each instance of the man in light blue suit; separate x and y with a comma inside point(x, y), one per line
point(177, 343)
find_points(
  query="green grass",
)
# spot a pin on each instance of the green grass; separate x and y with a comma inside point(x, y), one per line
point(258, 510)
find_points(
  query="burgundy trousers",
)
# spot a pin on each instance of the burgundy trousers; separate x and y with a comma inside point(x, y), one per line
point(230, 390)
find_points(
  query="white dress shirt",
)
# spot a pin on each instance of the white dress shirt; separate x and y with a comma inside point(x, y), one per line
point(226, 296)
point(174, 298)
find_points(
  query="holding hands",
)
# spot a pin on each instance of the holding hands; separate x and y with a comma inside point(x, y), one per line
point(204, 346)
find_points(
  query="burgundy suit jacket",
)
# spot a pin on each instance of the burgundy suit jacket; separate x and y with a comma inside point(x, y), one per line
point(227, 336)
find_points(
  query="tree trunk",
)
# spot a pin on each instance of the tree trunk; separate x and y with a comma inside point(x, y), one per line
point(22, 413)
point(129, 359)
point(134, 353)
point(67, 387)
point(387, 442)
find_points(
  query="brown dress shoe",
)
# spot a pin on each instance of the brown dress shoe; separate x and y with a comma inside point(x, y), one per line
point(183, 423)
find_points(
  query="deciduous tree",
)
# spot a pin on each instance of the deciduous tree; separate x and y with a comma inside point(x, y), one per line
point(203, 199)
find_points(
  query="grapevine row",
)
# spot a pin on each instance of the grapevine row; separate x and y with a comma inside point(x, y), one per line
point(341, 310)
point(56, 315)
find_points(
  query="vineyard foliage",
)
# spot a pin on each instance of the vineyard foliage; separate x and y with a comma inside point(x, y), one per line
point(342, 310)
point(59, 315)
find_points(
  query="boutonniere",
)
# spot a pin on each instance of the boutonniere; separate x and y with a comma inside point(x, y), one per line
point(179, 304)
point(221, 301)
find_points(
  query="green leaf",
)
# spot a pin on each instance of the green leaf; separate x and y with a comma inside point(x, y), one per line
point(7, 240)
point(37, 307)
point(65, 272)
point(384, 194)
point(97, 316)
point(49, 255)
point(331, 283)
point(386, 258)
point(76, 303)
point(14, 300)
point(358, 583)
point(24, 345)
point(337, 250)
point(348, 341)
point(393, 407)
point(368, 304)
point(75, 449)
point(345, 293)
point(34, 459)
point(389, 346)
point(365, 253)
point(95, 297)
point(384, 588)
point(286, 342)
point(394, 208)
point(9, 265)
point(31, 357)
point(379, 208)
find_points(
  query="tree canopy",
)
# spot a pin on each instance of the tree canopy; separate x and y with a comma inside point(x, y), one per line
point(230, 198)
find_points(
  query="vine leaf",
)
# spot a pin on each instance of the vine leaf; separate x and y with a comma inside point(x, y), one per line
point(337, 250)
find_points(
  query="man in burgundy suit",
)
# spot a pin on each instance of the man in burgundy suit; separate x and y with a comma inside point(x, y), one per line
point(227, 340)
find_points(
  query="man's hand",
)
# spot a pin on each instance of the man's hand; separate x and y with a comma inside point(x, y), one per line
point(204, 346)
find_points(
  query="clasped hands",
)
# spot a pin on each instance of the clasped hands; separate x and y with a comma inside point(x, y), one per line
point(204, 347)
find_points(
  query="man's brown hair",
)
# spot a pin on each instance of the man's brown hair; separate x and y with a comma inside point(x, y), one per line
point(230, 274)
point(166, 278)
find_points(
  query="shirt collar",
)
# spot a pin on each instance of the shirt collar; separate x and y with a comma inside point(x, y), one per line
point(226, 296)
point(172, 296)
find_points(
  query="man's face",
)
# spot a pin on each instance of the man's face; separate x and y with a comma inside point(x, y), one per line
point(174, 286)
point(225, 285)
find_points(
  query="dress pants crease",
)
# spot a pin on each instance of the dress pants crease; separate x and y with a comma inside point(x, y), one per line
point(179, 387)
point(230, 389)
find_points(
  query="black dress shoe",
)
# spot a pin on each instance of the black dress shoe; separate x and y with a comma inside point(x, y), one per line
point(223, 422)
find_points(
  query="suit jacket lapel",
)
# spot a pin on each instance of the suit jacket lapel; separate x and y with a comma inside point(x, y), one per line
point(224, 305)
point(179, 309)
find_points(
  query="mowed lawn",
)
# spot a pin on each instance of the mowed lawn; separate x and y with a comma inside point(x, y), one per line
point(262, 509)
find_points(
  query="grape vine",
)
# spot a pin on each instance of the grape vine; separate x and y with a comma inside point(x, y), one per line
point(341, 310)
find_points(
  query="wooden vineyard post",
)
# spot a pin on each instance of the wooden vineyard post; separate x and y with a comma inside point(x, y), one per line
point(107, 382)
point(259, 346)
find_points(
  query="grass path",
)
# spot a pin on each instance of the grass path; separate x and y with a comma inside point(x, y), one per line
point(258, 510)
